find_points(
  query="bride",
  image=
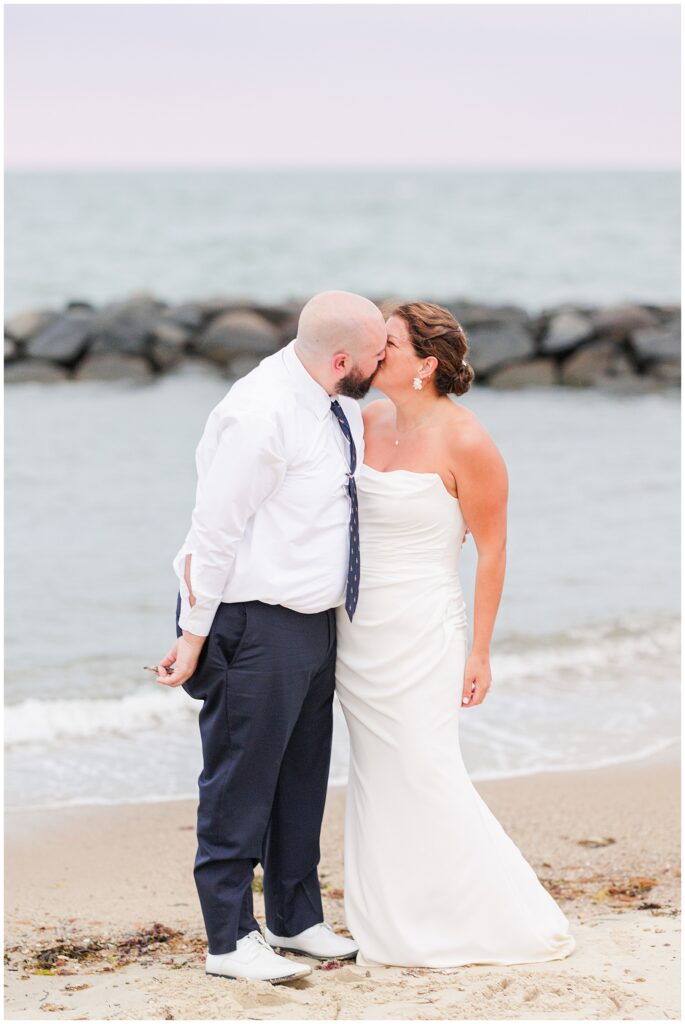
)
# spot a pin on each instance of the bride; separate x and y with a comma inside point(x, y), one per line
point(431, 877)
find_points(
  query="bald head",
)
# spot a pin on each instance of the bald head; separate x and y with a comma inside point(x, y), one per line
point(336, 321)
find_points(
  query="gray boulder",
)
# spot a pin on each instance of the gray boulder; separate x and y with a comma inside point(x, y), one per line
point(217, 304)
point(126, 327)
point(190, 315)
point(284, 318)
point(113, 366)
point(240, 366)
point(40, 370)
point(665, 313)
point(473, 314)
point(167, 343)
point(565, 330)
point(65, 339)
point(237, 333)
point(534, 373)
point(494, 344)
point(596, 363)
point(658, 342)
point(623, 319)
point(667, 370)
point(24, 326)
point(278, 313)
point(171, 332)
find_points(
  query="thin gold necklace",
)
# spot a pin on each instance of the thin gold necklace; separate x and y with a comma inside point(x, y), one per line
point(418, 424)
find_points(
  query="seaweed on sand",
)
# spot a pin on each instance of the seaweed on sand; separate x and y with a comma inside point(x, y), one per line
point(102, 953)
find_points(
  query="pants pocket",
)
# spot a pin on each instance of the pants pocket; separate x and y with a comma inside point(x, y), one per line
point(231, 621)
point(220, 650)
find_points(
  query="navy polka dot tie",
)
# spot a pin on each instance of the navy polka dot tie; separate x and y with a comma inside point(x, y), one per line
point(352, 591)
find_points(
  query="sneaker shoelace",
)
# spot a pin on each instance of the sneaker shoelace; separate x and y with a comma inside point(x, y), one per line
point(324, 926)
point(257, 944)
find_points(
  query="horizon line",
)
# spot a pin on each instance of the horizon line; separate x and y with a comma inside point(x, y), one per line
point(338, 169)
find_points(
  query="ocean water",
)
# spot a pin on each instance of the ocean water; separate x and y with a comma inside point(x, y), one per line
point(535, 239)
point(100, 478)
point(100, 482)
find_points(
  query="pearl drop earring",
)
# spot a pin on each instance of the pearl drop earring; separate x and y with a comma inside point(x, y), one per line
point(418, 383)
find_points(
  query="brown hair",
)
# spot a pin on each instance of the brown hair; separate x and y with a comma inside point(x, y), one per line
point(435, 332)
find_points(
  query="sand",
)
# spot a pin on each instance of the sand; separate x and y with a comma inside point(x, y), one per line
point(121, 877)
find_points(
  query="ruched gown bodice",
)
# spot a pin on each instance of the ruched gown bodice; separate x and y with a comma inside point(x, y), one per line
point(431, 877)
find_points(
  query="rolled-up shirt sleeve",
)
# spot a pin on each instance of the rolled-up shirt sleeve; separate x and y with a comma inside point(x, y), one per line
point(247, 467)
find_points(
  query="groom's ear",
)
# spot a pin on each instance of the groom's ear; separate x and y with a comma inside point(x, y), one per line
point(341, 362)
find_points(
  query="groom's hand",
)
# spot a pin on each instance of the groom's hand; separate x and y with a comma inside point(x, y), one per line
point(183, 656)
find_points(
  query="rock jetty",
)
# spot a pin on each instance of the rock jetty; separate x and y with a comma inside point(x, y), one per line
point(626, 347)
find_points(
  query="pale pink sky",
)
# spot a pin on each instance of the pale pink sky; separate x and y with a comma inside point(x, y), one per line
point(520, 86)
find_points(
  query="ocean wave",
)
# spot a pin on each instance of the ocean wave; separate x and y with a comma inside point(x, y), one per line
point(40, 721)
point(584, 650)
point(616, 655)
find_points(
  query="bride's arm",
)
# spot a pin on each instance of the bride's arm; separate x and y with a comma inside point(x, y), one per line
point(483, 495)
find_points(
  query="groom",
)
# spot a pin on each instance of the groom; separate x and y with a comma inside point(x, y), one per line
point(271, 551)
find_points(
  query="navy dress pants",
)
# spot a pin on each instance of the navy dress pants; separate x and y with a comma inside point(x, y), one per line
point(266, 678)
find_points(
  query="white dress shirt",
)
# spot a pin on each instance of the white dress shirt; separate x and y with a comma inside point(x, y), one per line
point(272, 510)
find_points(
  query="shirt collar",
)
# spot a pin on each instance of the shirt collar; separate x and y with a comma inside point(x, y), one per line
point(317, 397)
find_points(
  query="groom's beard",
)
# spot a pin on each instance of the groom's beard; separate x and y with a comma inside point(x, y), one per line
point(353, 385)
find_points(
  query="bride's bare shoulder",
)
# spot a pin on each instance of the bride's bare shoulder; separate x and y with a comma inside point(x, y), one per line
point(376, 412)
point(463, 419)
point(475, 459)
point(467, 434)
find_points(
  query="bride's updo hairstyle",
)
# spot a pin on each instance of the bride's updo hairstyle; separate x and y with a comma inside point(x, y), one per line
point(435, 332)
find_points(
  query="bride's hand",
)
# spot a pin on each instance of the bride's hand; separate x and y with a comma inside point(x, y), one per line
point(477, 679)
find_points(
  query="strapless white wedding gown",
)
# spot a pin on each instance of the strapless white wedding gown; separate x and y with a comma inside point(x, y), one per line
point(431, 877)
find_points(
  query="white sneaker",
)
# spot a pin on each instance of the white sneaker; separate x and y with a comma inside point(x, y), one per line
point(253, 958)
point(319, 941)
